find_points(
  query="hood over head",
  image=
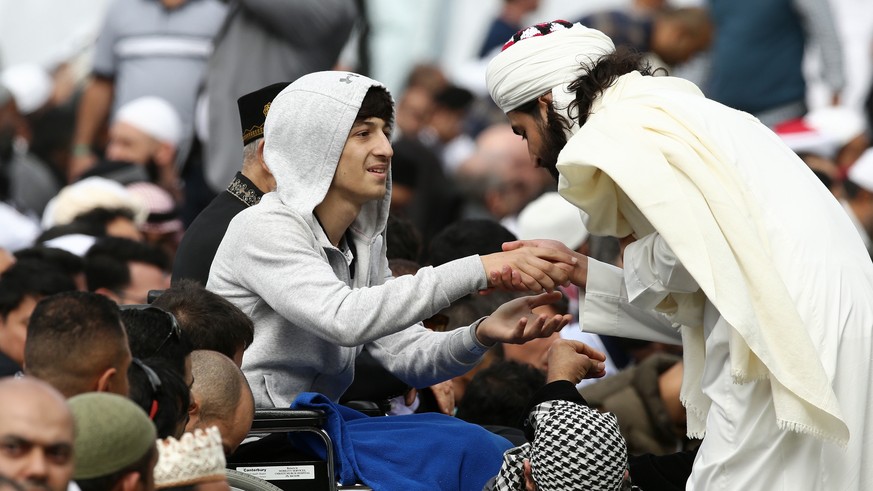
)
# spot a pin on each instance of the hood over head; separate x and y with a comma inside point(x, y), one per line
point(304, 135)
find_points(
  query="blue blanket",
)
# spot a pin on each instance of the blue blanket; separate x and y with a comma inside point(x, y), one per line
point(427, 452)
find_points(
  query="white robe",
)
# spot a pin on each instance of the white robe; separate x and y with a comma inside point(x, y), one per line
point(812, 251)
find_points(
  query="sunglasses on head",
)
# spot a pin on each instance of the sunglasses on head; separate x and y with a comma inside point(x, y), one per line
point(175, 330)
point(154, 383)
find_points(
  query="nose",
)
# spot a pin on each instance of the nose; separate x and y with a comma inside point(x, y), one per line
point(36, 468)
point(384, 148)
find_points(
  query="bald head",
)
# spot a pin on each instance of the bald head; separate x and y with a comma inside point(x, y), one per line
point(222, 398)
point(37, 425)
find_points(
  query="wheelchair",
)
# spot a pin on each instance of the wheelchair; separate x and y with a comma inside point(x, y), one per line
point(272, 471)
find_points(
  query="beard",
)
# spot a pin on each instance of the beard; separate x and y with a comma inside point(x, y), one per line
point(553, 140)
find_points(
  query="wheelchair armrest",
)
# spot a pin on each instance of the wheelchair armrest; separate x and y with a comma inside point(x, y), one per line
point(286, 419)
point(370, 408)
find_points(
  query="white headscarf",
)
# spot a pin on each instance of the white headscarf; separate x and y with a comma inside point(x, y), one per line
point(541, 58)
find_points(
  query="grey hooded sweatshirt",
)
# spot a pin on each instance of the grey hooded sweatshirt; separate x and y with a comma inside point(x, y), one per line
point(277, 265)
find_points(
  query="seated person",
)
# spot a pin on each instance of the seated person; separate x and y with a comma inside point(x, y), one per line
point(315, 279)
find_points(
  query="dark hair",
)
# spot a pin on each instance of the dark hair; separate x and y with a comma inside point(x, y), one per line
point(30, 277)
point(454, 98)
point(377, 104)
point(106, 261)
point(72, 228)
point(210, 321)
point(102, 217)
point(153, 333)
point(592, 82)
point(164, 389)
point(498, 394)
point(143, 466)
point(84, 327)
point(63, 260)
point(467, 237)
point(404, 240)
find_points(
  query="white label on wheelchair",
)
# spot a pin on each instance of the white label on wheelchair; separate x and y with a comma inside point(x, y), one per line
point(280, 472)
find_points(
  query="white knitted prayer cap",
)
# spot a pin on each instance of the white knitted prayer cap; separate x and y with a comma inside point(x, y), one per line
point(552, 217)
point(194, 458)
point(30, 85)
point(153, 116)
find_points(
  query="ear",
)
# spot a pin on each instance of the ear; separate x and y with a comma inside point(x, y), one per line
point(165, 154)
point(545, 98)
point(261, 161)
point(108, 293)
point(128, 482)
point(104, 382)
point(193, 413)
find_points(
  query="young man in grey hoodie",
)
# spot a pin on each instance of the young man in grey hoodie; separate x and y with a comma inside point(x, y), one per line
point(308, 263)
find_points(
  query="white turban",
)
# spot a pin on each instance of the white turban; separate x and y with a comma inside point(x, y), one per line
point(153, 116)
point(30, 85)
point(536, 63)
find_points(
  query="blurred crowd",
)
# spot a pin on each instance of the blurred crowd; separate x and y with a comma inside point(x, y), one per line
point(102, 176)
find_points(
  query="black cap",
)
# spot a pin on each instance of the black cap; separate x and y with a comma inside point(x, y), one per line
point(253, 108)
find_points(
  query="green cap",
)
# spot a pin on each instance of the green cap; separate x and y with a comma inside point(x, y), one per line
point(111, 433)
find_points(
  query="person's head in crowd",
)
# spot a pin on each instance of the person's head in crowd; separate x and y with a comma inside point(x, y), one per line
point(428, 76)
point(404, 240)
point(499, 393)
point(194, 461)
point(160, 391)
point(22, 286)
point(145, 131)
point(113, 222)
point(449, 113)
point(76, 342)
point(221, 398)
point(210, 321)
point(154, 333)
point(163, 226)
point(414, 110)
point(253, 109)
point(64, 261)
point(36, 435)
point(552, 217)
point(30, 85)
point(125, 270)
point(678, 34)
point(501, 170)
point(467, 237)
point(115, 444)
point(85, 195)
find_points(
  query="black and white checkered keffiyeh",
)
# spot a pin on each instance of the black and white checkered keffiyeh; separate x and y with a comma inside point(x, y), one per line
point(575, 448)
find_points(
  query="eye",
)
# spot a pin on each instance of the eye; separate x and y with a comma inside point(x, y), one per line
point(59, 454)
point(13, 448)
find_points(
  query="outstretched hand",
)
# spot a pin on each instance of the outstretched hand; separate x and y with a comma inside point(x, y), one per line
point(576, 269)
point(532, 268)
point(515, 323)
point(574, 361)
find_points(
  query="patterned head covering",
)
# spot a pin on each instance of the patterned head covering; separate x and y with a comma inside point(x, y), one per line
point(542, 57)
point(575, 447)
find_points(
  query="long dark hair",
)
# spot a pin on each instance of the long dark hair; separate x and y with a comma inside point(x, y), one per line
point(592, 82)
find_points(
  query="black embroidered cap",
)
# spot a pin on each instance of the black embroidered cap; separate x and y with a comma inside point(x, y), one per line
point(253, 108)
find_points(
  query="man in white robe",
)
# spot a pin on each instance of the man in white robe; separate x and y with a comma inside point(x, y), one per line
point(740, 254)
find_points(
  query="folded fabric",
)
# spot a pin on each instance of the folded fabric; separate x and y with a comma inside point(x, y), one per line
point(428, 452)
